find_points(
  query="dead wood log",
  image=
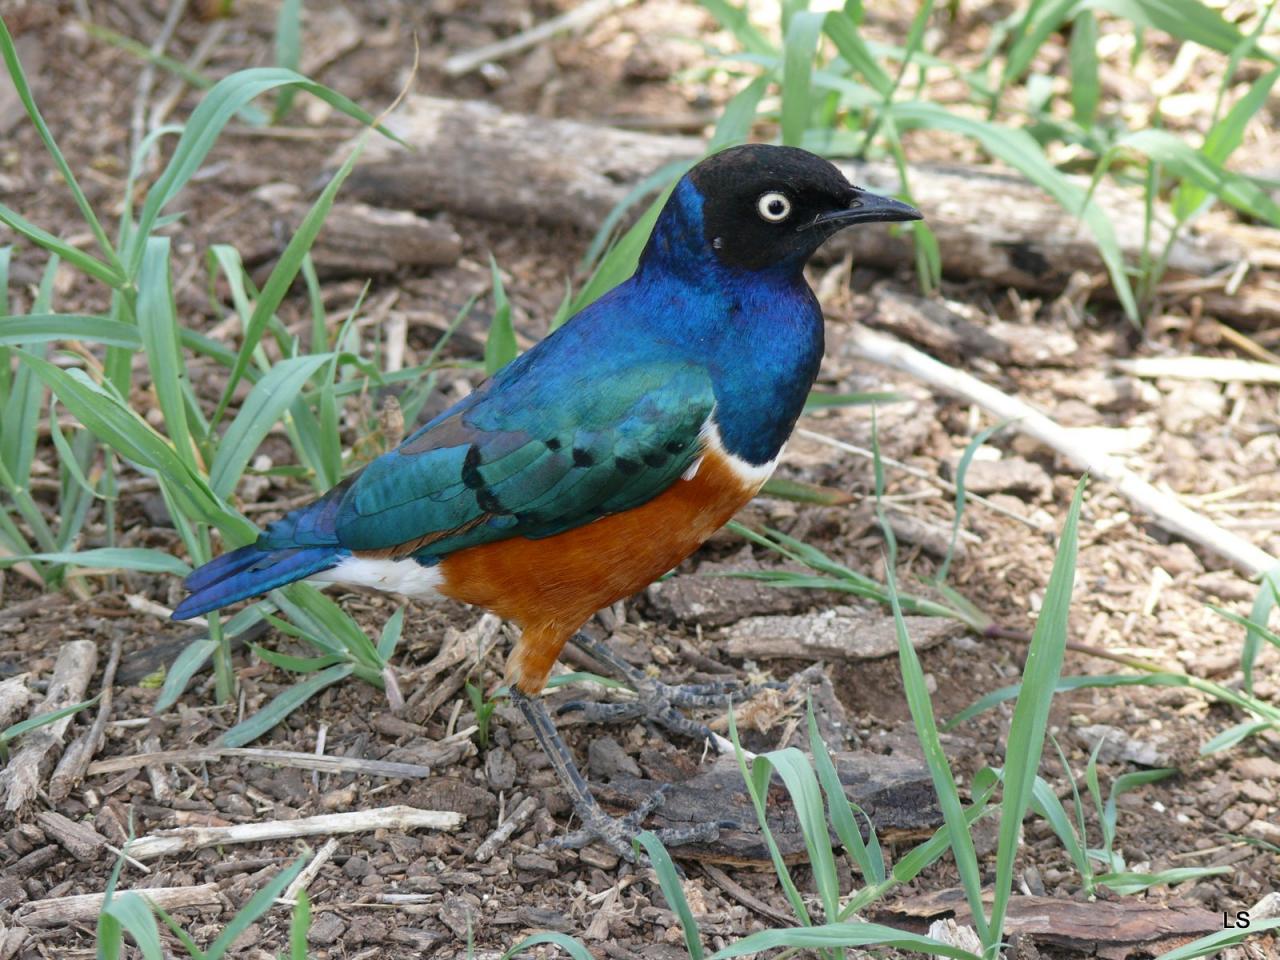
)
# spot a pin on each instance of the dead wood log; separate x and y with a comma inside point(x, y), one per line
point(59, 911)
point(1109, 928)
point(894, 791)
point(72, 671)
point(473, 158)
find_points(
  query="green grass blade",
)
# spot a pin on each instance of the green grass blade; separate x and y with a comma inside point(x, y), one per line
point(562, 940)
point(84, 262)
point(935, 757)
point(1214, 943)
point(799, 52)
point(158, 326)
point(1047, 805)
point(738, 22)
point(842, 28)
point(216, 109)
point(669, 881)
point(500, 346)
point(868, 858)
point(1224, 137)
point(1128, 883)
point(1184, 161)
point(185, 666)
point(285, 271)
point(13, 732)
point(112, 558)
point(1188, 20)
point(1233, 735)
point(288, 52)
point(1086, 90)
point(1018, 149)
point(962, 470)
point(264, 406)
point(284, 704)
point(47, 327)
point(1025, 742)
point(294, 664)
point(734, 125)
point(390, 636)
point(258, 904)
point(834, 936)
point(134, 916)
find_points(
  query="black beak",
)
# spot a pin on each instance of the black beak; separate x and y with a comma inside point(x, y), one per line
point(867, 207)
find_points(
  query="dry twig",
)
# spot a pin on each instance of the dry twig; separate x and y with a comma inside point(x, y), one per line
point(59, 911)
point(399, 817)
point(1167, 511)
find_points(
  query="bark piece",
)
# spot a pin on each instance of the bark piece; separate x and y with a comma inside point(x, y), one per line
point(72, 671)
point(80, 840)
point(841, 633)
point(989, 224)
point(895, 792)
point(75, 760)
point(1109, 928)
point(14, 697)
point(60, 911)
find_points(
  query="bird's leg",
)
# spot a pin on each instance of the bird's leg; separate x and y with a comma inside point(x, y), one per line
point(655, 700)
point(616, 832)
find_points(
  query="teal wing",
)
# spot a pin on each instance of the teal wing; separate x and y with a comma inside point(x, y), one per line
point(508, 463)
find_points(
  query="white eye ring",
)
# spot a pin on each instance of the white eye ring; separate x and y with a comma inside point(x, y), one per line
point(773, 206)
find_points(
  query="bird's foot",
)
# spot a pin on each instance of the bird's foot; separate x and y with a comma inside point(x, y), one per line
point(617, 833)
point(658, 701)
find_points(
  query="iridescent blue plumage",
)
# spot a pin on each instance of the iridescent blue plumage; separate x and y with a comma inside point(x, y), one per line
point(604, 414)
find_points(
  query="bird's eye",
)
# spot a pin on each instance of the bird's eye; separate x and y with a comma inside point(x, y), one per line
point(773, 206)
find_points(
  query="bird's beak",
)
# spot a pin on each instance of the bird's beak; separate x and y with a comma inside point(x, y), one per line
point(867, 207)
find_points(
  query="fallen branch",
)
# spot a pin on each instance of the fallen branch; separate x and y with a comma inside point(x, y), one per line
point(400, 818)
point(1167, 511)
point(60, 911)
point(72, 671)
point(989, 224)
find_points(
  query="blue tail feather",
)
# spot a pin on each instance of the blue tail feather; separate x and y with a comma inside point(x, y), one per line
point(250, 572)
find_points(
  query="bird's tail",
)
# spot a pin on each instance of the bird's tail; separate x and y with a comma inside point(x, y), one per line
point(250, 572)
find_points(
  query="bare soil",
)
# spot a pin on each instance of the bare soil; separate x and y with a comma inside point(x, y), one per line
point(423, 894)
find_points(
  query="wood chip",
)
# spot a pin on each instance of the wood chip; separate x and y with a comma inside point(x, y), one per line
point(61, 911)
point(80, 840)
point(72, 671)
point(71, 768)
point(397, 817)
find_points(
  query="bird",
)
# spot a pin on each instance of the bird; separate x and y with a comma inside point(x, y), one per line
point(601, 458)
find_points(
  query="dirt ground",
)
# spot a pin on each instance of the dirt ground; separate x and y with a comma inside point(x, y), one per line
point(395, 894)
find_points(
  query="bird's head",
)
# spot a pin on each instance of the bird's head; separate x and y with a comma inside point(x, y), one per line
point(756, 206)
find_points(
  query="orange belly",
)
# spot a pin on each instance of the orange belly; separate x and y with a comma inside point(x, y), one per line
point(552, 586)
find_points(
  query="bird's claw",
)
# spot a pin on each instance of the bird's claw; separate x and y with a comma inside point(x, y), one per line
point(617, 833)
point(657, 701)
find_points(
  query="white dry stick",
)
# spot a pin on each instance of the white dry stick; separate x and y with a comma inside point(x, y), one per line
point(1219, 369)
point(397, 817)
point(1169, 512)
point(575, 19)
point(519, 817)
point(58, 911)
point(72, 671)
point(309, 873)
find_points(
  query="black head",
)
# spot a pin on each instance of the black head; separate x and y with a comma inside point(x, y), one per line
point(765, 205)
